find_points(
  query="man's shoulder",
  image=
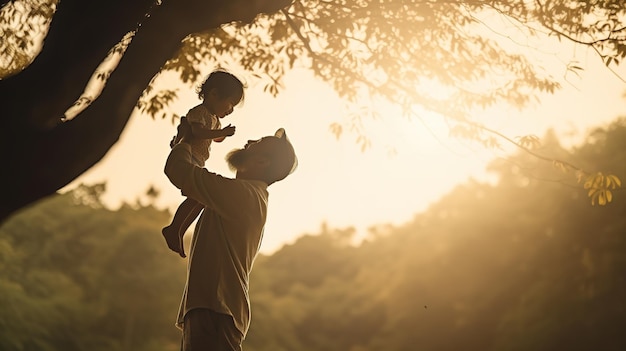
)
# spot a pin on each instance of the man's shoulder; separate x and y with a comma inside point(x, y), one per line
point(246, 193)
point(257, 186)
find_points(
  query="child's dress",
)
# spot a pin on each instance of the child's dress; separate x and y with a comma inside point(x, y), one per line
point(201, 148)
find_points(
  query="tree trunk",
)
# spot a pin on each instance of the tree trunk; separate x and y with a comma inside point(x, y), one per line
point(41, 154)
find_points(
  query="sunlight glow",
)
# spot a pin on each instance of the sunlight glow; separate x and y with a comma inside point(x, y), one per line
point(408, 166)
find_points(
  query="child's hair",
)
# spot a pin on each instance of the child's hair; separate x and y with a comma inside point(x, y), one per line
point(225, 84)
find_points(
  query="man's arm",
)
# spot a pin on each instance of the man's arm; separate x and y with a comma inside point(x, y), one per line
point(210, 189)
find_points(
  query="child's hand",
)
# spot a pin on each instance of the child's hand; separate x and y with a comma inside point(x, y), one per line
point(226, 131)
point(229, 130)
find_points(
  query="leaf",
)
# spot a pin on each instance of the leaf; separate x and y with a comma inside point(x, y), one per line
point(588, 182)
point(529, 141)
point(598, 186)
point(336, 129)
point(560, 165)
point(601, 198)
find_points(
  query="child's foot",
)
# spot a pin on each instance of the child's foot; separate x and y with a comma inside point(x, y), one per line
point(174, 240)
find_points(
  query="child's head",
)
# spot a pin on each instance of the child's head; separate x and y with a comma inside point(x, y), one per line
point(221, 88)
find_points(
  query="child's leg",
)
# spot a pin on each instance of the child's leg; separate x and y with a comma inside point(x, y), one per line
point(171, 232)
point(191, 216)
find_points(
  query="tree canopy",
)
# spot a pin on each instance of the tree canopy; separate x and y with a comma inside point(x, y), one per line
point(441, 57)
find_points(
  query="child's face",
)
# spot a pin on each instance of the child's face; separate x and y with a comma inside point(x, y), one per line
point(221, 107)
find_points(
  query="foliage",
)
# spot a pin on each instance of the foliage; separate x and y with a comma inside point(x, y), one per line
point(525, 264)
point(442, 57)
point(22, 24)
point(430, 58)
point(599, 25)
point(520, 265)
point(600, 187)
point(77, 276)
point(433, 59)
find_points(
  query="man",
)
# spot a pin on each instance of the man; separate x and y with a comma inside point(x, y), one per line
point(215, 310)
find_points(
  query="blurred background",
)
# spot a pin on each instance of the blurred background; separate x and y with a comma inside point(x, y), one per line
point(395, 232)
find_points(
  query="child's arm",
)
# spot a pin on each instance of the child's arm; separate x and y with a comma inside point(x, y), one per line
point(201, 132)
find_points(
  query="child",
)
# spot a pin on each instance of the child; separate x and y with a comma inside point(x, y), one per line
point(220, 92)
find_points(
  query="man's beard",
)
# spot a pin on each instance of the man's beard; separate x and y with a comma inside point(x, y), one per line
point(236, 159)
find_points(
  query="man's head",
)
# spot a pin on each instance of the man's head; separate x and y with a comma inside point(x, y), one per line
point(269, 159)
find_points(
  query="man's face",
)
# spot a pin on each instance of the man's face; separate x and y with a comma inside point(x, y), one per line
point(237, 159)
point(240, 159)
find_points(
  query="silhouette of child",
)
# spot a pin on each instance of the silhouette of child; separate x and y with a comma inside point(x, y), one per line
point(220, 92)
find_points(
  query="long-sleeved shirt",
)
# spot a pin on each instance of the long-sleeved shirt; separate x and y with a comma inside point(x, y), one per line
point(226, 239)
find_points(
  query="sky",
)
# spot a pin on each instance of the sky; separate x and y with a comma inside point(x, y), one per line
point(409, 166)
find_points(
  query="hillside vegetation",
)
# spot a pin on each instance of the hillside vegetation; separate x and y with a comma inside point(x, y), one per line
point(525, 264)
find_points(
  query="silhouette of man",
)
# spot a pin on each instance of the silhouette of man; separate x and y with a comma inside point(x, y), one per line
point(214, 313)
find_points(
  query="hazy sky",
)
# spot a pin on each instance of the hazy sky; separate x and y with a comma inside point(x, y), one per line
point(336, 183)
